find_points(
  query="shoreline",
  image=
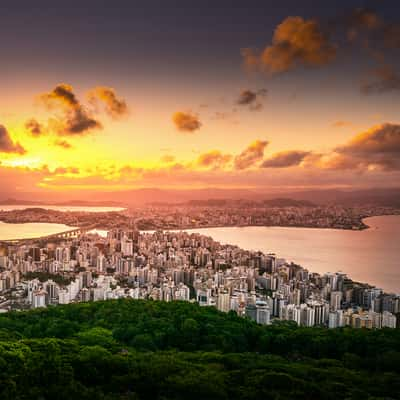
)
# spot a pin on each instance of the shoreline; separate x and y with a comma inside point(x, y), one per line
point(191, 228)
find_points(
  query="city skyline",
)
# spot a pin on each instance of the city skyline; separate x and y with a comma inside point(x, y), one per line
point(287, 97)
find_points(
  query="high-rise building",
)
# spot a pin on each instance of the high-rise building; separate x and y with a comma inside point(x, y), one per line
point(263, 313)
point(251, 312)
point(336, 300)
point(223, 301)
point(388, 320)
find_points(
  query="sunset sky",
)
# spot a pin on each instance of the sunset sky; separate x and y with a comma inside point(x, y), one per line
point(100, 95)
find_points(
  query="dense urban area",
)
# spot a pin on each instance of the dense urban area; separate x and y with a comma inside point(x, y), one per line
point(171, 266)
point(201, 214)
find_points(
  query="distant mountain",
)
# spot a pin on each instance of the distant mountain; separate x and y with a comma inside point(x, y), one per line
point(77, 203)
point(382, 197)
point(11, 202)
point(278, 202)
point(137, 197)
point(385, 197)
point(285, 202)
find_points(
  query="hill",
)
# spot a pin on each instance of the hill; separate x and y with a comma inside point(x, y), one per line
point(132, 349)
point(136, 197)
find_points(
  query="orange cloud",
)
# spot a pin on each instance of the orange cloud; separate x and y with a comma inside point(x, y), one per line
point(386, 79)
point(251, 155)
point(252, 99)
point(167, 159)
point(66, 170)
point(6, 143)
point(295, 42)
point(114, 106)
point(186, 121)
point(376, 149)
point(75, 119)
point(63, 143)
point(213, 159)
point(285, 159)
point(34, 127)
point(341, 124)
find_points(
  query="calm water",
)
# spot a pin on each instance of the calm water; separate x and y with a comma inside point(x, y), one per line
point(61, 208)
point(30, 230)
point(371, 255)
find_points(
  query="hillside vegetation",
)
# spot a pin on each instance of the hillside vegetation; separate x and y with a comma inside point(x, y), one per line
point(133, 349)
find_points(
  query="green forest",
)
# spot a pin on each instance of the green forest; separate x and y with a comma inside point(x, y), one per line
point(136, 349)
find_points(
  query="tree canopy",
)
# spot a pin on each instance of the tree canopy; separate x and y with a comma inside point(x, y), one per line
point(134, 349)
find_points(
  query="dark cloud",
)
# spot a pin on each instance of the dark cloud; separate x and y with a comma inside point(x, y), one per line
point(114, 106)
point(6, 143)
point(64, 144)
point(391, 36)
point(285, 159)
point(213, 159)
point(360, 22)
point(34, 127)
point(252, 99)
point(78, 122)
point(62, 95)
point(186, 121)
point(250, 156)
point(76, 119)
point(372, 29)
point(384, 79)
point(295, 42)
point(378, 148)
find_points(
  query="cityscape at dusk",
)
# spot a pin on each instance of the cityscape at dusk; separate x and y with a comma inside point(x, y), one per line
point(199, 200)
point(258, 95)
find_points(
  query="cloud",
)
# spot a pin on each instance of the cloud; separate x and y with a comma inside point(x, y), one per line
point(341, 124)
point(34, 127)
point(75, 119)
point(391, 36)
point(251, 155)
point(386, 80)
point(252, 99)
point(62, 95)
point(66, 170)
point(368, 26)
point(213, 159)
point(6, 143)
point(295, 42)
point(220, 115)
point(78, 122)
point(63, 143)
point(251, 58)
point(377, 148)
point(186, 121)
point(285, 159)
point(114, 106)
point(361, 21)
point(167, 159)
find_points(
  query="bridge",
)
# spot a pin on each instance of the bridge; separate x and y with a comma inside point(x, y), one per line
point(72, 233)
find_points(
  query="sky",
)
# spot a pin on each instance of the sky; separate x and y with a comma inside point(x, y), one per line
point(104, 96)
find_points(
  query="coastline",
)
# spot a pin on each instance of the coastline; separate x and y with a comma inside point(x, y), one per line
point(361, 228)
point(66, 228)
point(365, 226)
point(281, 243)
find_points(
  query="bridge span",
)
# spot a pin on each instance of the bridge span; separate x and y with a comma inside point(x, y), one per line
point(72, 233)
